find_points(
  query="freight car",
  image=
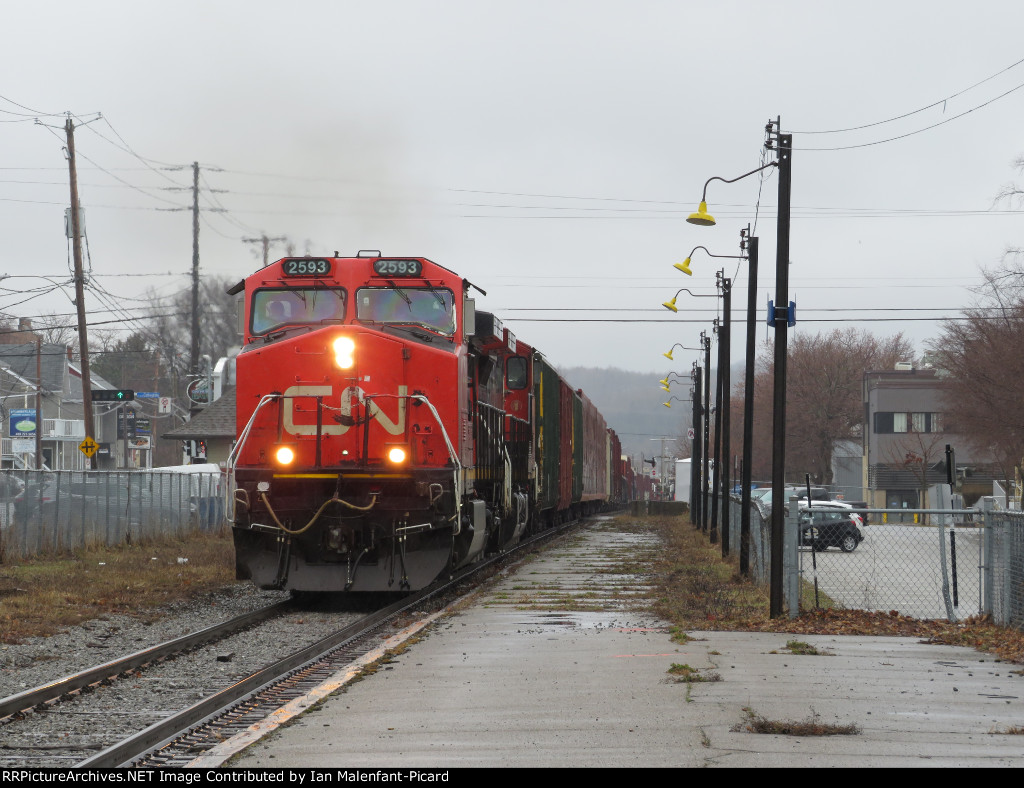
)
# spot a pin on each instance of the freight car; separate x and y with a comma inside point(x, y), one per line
point(389, 432)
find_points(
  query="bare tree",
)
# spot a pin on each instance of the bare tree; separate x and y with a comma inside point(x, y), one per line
point(58, 330)
point(823, 395)
point(981, 356)
point(917, 453)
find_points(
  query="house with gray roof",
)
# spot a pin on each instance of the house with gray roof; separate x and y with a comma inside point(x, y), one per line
point(29, 368)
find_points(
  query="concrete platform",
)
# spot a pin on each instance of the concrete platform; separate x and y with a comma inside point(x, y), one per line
point(552, 666)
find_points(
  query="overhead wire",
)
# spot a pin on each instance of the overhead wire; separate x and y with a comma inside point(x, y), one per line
point(916, 111)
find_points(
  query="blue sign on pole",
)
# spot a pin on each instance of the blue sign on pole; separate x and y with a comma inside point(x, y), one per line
point(23, 423)
point(147, 395)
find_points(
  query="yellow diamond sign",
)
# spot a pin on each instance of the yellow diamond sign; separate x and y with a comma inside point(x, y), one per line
point(88, 447)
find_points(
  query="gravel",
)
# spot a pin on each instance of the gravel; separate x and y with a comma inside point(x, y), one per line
point(74, 729)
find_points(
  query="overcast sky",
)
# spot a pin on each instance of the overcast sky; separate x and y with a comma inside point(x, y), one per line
point(547, 151)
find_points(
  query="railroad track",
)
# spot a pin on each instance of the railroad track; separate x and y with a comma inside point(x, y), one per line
point(38, 697)
point(177, 737)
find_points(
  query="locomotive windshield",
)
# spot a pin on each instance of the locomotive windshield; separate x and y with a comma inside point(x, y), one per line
point(430, 308)
point(276, 308)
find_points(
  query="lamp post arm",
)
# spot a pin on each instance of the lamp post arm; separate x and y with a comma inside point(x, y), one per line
point(730, 256)
point(738, 178)
point(695, 295)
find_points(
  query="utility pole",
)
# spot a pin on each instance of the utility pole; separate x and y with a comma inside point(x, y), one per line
point(83, 338)
point(705, 509)
point(725, 340)
point(39, 403)
point(784, 148)
point(265, 242)
point(194, 355)
point(748, 404)
point(696, 452)
point(716, 468)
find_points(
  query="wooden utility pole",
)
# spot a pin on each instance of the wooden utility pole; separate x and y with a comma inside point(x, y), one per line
point(265, 242)
point(194, 355)
point(83, 337)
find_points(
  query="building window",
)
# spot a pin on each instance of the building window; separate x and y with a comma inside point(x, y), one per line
point(887, 423)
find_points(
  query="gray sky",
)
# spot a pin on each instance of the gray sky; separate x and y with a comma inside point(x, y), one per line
point(548, 151)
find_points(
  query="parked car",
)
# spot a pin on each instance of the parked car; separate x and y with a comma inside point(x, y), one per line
point(830, 525)
point(39, 496)
point(10, 487)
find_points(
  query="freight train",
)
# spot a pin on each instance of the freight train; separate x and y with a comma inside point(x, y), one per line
point(388, 432)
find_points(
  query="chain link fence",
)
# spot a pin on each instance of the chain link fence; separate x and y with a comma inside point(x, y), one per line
point(46, 511)
point(928, 564)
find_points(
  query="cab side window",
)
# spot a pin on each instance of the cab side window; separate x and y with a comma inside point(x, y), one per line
point(516, 378)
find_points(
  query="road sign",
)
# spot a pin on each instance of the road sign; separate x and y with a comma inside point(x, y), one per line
point(88, 447)
point(112, 395)
point(147, 395)
point(165, 405)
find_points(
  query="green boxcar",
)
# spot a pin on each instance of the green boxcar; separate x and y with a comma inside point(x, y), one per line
point(547, 385)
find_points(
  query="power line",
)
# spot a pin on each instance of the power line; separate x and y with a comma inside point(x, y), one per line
point(934, 104)
point(918, 131)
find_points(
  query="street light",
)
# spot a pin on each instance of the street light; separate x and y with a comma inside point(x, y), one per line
point(672, 304)
point(705, 219)
point(783, 145)
point(664, 381)
point(685, 265)
point(677, 399)
point(684, 347)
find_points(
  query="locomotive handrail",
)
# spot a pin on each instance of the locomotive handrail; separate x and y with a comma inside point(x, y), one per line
point(236, 450)
point(451, 452)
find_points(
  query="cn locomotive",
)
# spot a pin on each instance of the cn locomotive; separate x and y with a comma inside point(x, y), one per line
point(388, 432)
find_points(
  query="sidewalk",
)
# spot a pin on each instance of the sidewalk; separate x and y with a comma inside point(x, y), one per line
point(549, 668)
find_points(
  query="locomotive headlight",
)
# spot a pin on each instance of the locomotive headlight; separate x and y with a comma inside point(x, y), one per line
point(397, 454)
point(344, 352)
point(285, 455)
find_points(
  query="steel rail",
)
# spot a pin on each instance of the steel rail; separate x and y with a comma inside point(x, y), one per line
point(44, 693)
point(166, 731)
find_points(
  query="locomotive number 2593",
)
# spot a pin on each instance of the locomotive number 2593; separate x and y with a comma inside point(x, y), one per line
point(306, 268)
point(397, 267)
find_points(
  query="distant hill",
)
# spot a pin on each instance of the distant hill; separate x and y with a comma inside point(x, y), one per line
point(633, 405)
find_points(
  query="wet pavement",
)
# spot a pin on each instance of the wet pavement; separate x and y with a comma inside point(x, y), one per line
point(555, 665)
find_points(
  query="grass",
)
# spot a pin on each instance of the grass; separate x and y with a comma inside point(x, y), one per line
point(698, 589)
point(691, 675)
point(43, 595)
point(695, 588)
point(812, 726)
point(801, 648)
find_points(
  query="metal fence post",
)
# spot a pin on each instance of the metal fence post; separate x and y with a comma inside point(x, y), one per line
point(987, 560)
point(790, 559)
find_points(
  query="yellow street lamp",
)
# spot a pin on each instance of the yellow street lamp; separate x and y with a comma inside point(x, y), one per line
point(672, 304)
point(705, 219)
point(782, 145)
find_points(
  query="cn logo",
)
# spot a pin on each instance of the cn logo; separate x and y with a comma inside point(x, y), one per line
point(353, 399)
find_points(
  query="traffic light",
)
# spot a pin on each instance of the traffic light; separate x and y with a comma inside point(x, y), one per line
point(112, 395)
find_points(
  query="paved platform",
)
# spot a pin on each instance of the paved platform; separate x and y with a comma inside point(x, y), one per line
point(552, 666)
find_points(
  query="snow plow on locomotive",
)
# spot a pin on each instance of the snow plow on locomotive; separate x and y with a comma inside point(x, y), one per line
point(389, 433)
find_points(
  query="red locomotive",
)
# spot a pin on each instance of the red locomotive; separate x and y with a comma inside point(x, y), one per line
point(388, 432)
